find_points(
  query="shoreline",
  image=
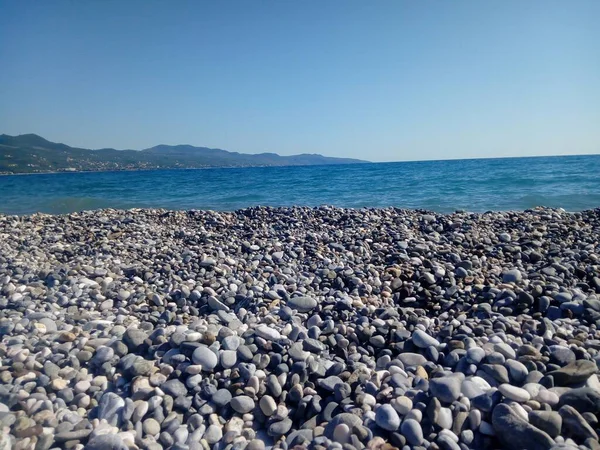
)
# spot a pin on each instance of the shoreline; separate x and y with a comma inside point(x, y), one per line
point(392, 209)
point(268, 328)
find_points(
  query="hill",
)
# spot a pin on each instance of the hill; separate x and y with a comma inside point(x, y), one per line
point(30, 153)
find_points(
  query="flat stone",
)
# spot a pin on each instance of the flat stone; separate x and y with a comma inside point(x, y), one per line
point(110, 407)
point(582, 399)
point(174, 388)
point(280, 428)
point(573, 373)
point(514, 393)
point(548, 421)
point(576, 425)
point(423, 340)
point(412, 359)
point(268, 333)
point(516, 433)
point(242, 404)
point(506, 350)
point(302, 304)
point(106, 442)
point(330, 383)
point(221, 398)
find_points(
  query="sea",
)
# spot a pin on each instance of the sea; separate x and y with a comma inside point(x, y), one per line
point(474, 185)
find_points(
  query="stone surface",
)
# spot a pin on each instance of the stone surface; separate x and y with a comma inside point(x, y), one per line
point(446, 389)
point(205, 357)
point(516, 433)
point(264, 328)
point(387, 418)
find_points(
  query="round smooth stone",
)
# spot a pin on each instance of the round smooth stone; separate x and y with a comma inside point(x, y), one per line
point(205, 357)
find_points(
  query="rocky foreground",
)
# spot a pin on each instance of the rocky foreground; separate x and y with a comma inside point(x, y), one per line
point(296, 327)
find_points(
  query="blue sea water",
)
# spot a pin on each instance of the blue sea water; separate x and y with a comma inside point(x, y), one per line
point(569, 182)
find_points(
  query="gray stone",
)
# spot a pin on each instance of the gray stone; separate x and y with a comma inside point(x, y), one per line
point(582, 399)
point(267, 405)
point(387, 418)
point(268, 333)
point(141, 367)
point(512, 276)
point(423, 340)
point(412, 359)
point(514, 393)
point(548, 421)
point(134, 339)
point(302, 304)
point(575, 424)
point(280, 428)
point(151, 427)
point(517, 370)
point(106, 442)
point(228, 358)
point(475, 355)
point(446, 389)
point(330, 383)
point(110, 407)
point(221, 398)
point(242, 404)
point(205, 357)
point(213, 434)
point(506, 350)
point(49, 324)
point(412, 431)
point(561, 355)
point(573, 373)
point(516, 433)
point(352, 420)
point(174, 388)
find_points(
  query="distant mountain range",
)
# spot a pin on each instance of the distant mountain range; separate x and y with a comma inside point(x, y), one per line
point(30, 153)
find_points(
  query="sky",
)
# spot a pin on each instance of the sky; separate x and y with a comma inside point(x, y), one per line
point(390, 80)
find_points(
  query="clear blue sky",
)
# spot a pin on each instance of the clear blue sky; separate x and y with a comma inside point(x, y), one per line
point(385, 80)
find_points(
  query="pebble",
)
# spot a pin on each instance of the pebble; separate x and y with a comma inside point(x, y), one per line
point(205, 357)
point(387, 418)
point(242, 404)
point(446, 389)
point(411, 429)
point(514, 393)
point(348, 328)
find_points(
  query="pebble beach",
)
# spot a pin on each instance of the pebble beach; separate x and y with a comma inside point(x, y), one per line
point(305, 328)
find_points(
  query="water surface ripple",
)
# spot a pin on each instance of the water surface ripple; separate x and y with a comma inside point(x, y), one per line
point(570, 182)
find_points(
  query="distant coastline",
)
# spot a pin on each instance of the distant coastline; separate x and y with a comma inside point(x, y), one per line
point(58, 172)
point(30, 153)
